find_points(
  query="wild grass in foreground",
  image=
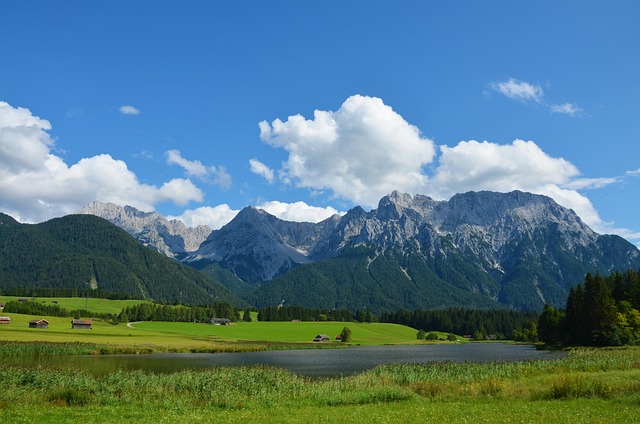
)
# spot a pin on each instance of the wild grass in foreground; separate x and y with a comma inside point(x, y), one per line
point(603, 383)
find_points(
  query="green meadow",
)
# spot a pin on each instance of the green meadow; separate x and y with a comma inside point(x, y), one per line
point(193, 337)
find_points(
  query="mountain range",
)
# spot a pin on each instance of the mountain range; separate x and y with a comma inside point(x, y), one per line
point(478, 249)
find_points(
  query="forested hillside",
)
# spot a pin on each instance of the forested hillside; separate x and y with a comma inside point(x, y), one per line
point(87, 253)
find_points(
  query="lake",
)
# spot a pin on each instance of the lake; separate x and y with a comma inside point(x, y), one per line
point(308, 363)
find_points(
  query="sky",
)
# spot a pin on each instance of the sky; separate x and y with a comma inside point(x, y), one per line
point(197, 109)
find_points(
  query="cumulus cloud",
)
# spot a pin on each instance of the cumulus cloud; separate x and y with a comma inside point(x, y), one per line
point(218, 216)
point(298, 211)
point(129, 110)
point(521, 165)
point(261, 169)
point(519, 90)
point(195, 168)
point(360, 152)
point(215, 217)
point(36, 185)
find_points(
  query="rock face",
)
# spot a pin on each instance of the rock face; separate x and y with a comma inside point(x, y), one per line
point(171, 238)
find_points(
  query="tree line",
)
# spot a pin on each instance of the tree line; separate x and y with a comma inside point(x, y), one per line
point(604, 311)
point(37, 308)
point(62, 292)
point(157, 312)
point(479, 323)
point(300, 313)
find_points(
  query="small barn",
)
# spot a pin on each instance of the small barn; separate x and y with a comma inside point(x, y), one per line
point(1, 306)
point(220, 321)
point(39, 323)
point(83, 324)
point(321, 338)
point(5, 320)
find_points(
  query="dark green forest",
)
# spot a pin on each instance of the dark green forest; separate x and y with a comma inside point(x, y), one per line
point(179, 313)
point(77, 254)
point(602, 311)
point(497, 323)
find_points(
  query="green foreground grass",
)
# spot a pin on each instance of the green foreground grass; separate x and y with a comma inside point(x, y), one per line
point(589, 385)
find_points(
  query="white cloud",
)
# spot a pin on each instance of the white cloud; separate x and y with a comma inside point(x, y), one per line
point(566, 109)
point(361, 152)
point(526, 92)
point(591, 183)
point(215, 217)
point(634, 173)
point(522, 165)
point(129, 110)
point(261, 169)
point(298, 211)
point(519, 90)
point(36, 185)
point(218, 216)
point(216, 175)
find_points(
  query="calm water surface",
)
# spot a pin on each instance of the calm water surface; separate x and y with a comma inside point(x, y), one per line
point(309, 363)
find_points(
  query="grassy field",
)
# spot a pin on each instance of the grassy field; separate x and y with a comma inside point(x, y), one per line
point(588, 386)
point(289, 332)
point(200, 337)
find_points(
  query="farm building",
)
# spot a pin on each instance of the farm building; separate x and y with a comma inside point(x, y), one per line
point(5, 320)
point(39, 323)
point(220, 321)
point(84, 324)
point(1, 306)
point(321, 338)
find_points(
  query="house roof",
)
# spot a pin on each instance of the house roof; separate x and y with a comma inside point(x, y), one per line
point(82, 321)
point(37, 321)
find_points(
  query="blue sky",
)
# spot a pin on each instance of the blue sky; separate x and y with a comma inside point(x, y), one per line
point(197, 109)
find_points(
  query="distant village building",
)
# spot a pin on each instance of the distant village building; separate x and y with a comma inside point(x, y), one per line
point(83, 324)
point(5, 320)
point(1, 306)
point(39, 323)
point(220, 321)
point(321, 338)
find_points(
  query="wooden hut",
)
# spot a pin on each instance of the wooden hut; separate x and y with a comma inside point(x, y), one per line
point(5, 320)
point(83, 324)
point(321, 338)
point(39, 323)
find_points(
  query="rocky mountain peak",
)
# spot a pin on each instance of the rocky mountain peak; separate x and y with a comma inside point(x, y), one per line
point(170, 237)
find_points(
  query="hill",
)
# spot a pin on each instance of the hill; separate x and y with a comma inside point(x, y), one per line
point(76, 252)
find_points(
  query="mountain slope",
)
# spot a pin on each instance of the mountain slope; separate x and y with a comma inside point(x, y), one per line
point(69, 252)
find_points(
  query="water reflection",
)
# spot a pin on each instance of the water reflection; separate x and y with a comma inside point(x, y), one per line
point(310, 363)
